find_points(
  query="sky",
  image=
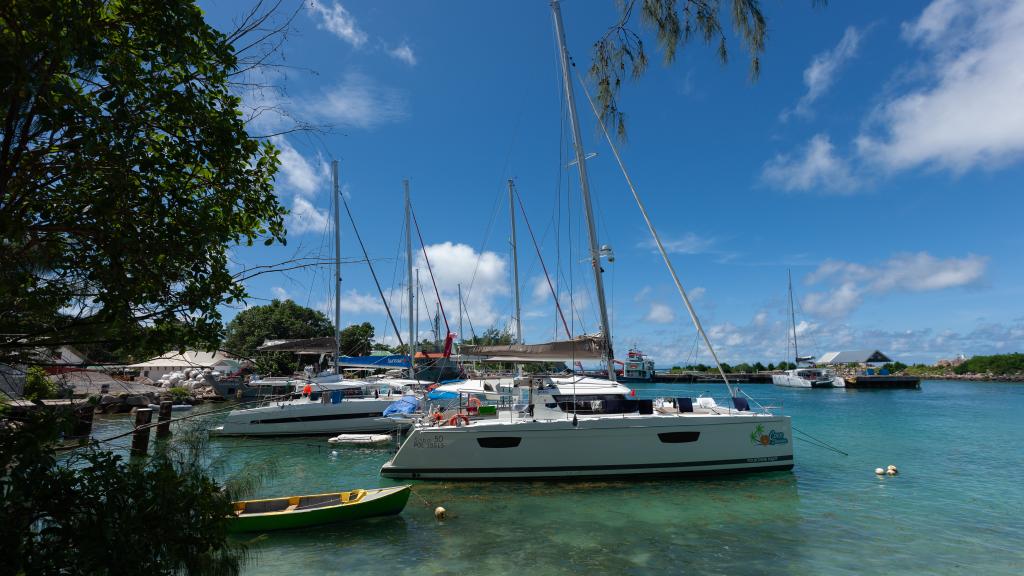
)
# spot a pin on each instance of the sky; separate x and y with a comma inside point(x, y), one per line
point(878, 158)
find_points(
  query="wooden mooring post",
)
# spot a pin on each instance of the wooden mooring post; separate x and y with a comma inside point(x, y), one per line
point(140, 438)
point(163, 429)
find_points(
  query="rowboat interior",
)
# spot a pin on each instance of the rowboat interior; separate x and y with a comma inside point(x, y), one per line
point(295, 503)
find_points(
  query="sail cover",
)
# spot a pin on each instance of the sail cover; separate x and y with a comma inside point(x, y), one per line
point(581, 348)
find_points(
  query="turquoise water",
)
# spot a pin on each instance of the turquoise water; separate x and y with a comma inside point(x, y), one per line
point(957, 506)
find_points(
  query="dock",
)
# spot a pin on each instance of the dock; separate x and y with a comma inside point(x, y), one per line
point(884, 381)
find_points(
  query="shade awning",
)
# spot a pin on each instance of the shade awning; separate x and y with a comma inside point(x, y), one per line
point(301, 346)
point(582, 348)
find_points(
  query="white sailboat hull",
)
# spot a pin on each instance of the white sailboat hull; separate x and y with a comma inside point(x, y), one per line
point(630, 445)
point(300, 417)
point(794, 381)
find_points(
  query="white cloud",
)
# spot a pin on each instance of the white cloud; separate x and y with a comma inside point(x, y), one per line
point(484, 279)
point(355, 302)
point(967, 112)
point(697, 293)
point(760, 318)
point(338, 21)
point(360, 102)
point(642, 294)
point(820, 74)
point(688, 243)
point(660, 313)
point(404, 53)
point(304, 217)
point(299, 174)
point(908, 272)
point(280, 293)
point(817, 169)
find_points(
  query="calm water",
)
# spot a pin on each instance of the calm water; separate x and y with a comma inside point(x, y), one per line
point(957, 506)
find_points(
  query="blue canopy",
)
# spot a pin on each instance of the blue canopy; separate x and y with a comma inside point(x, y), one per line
point(404, 405)
point(393, 361)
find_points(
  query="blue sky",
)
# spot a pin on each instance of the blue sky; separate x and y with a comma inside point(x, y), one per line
point(878, 157)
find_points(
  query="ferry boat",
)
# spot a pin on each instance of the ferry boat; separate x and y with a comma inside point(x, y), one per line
point(637, 368)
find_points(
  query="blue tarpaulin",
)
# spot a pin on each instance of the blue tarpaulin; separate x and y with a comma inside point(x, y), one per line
point(404, 405)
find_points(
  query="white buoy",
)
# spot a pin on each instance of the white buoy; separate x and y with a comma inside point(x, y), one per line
point(879, 471)
point(892, 469)
point(440, 513)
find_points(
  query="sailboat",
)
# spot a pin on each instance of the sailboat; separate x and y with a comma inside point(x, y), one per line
point(576, 427)
point(332, 405)
point(806, 374)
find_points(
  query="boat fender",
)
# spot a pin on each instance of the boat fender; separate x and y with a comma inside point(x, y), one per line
point(454, 420)
point(575, 422)
point(440, 513)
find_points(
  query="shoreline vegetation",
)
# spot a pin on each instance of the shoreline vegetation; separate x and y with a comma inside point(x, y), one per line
point(991, 368)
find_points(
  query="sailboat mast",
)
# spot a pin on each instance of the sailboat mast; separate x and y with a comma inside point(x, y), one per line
point(515, 261)
point(792, 318)
point(337, 268)
point(581, 164)
point(408, 257)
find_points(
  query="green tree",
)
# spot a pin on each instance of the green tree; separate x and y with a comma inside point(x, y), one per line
point(620, 53)
point(357, 339)
point(279, 320)
point(126, 172)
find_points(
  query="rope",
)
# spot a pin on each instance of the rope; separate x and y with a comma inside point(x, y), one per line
point(817, 442)
point(430, 271)
point(547, 277)
point(398, 333)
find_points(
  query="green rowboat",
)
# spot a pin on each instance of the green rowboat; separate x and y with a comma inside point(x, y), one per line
point(315, 509)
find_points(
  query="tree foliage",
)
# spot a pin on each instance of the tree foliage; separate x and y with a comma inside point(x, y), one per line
point(38, 385)
point(1003, 364)
point(357, 340)
point(94, 513)
point(620, 53)
point(125, 174)
point(279, 320)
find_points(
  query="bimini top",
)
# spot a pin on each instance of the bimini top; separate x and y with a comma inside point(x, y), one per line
point(853, 357)
point(580, 348)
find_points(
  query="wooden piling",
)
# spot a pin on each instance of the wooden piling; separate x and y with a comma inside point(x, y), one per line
point(163, 429)
point(140, 437)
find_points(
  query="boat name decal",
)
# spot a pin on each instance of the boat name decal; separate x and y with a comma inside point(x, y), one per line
point(771, 438)
point(429, 441)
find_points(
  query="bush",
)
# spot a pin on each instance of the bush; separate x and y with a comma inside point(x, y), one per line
point(38, 385)
point(179, 394)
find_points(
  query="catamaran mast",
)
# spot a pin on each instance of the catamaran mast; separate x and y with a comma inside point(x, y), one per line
point(515, 260)
point(581, 164)
point(515, 269)
point(792, 317)
point(337, 269)
point(408, 257)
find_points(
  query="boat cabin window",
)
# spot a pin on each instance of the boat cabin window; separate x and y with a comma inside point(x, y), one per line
point(596, 403)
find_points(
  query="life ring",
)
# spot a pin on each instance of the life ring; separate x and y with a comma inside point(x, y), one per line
point(473, 404)
point(454, 420)
point(437, 416)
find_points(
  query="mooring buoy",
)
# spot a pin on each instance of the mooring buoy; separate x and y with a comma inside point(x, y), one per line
point(440, 513)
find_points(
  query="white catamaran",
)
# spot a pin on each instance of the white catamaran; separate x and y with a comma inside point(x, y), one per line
point(805, 375)
point(582, 427)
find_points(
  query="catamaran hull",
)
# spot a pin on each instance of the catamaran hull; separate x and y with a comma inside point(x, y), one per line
point(349, 416)
point(630, 446)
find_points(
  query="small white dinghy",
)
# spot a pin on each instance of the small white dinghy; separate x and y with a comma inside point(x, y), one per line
point(174, 407)
point(361, 439)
